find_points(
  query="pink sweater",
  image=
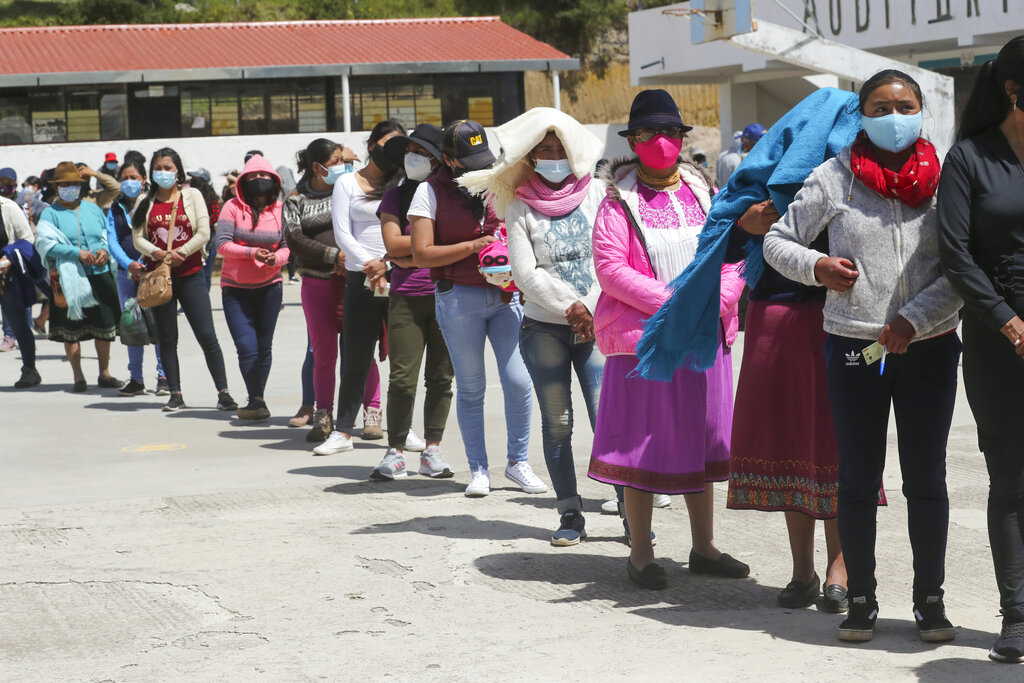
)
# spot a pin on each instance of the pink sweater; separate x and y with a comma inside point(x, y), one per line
point(630, 293)
point(237, 239)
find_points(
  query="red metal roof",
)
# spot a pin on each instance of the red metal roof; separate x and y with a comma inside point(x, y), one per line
point(143, 47)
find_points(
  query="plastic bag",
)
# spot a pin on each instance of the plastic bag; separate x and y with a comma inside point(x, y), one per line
point(137, 328)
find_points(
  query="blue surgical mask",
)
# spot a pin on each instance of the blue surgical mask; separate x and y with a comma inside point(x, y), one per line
point(333, 173)
point(69, 193)
point(165, 179)
point(893, 132)
point(111, 165)
point(131, 188)
point(553, 170)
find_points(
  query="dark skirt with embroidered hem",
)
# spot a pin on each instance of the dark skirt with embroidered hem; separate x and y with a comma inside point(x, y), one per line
point(100, 322)
point(784, 452)
point(663, 437)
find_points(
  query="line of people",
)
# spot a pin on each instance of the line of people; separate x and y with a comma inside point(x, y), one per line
point(858, 252)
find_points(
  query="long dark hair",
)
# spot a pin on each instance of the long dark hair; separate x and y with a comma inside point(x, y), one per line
point(317, 152)
point(141, 213)
point(988, 104)
point(885, 77)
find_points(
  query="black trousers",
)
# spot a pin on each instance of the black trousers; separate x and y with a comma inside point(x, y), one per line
point(993, 373)
point(362, 317)
point(921, 387)
point(189, 291)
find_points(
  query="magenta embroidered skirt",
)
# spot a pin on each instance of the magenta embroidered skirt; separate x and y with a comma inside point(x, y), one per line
point(664, 437)
point(784, 452)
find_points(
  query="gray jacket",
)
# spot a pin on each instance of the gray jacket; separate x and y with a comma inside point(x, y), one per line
point(894, 247)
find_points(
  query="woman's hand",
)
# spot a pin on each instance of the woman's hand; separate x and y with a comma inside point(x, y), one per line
point(1014, 331)
point(897, 335)
point(102, 257)
point(86, 257)
point(265, 256)
point(375, 268)
point(159, 255)
point(135, 270)
point(339, 263)
point(5, 263)
point(480, 242)
point(176, 258)
point(759, 218)
point(838, 274)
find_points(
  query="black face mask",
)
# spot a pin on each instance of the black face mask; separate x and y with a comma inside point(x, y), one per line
point(261, 187)
point(7, 191)
point(381, 159)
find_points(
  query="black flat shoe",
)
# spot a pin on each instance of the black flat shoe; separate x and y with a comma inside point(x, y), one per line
point(651, 577)
point(109, 382)
point(835, 601)
point(80, 387)
point(726, 566)
point(797, 595)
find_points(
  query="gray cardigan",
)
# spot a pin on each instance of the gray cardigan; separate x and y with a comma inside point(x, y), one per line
point(894, 247)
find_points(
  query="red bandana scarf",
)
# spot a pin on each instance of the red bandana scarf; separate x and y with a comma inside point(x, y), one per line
point(914, 184)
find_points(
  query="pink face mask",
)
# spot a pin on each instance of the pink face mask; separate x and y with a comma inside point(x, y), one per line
point(659, 152)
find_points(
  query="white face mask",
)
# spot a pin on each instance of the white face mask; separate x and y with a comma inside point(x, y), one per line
point(553, 170)
point(417, 166)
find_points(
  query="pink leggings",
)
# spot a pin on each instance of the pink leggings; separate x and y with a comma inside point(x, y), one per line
point(321, 303)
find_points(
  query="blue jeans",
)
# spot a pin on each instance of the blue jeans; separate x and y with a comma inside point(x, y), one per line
point(468, 316)
point(126, 289)
point(207, 268)
point(17, 324)
point(252, 319)
point(551, 355)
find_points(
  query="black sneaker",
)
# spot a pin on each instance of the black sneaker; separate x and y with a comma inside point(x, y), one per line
point(163, 387)
point(255, 410)
point(797, 594)
point(570, 530)
point(225, 402)
point(1009, 646)
point(29, 378)
point(859, 625)
point(932, 624)
point(132, 388)
point(175, 403)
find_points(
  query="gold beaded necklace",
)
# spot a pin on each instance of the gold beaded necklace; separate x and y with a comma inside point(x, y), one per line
point(657, 183)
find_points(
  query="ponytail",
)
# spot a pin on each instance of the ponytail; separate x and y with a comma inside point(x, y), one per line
point(989, 105)
point(319, 151)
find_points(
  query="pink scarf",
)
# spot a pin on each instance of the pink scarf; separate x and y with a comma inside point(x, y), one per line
point(550, 202)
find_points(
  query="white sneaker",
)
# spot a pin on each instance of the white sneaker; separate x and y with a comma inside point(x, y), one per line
point(414, 443)
point(391, 467)
point(661, 500)
point(335, 443)
point(522, 475)
point(610, 507)
point(481, 484)
point(433, 465)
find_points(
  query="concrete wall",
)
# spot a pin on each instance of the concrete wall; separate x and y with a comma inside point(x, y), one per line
point(216, 154)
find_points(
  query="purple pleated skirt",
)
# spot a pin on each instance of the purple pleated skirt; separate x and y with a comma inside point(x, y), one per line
point(663, 437)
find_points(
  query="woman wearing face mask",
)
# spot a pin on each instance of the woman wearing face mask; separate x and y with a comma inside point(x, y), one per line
point(658, 437)
point(82, 239)
point(981, 239)
point(250, 238)
point(877, 201)
point(412, 323)
point(156, 239)
point(309, 230)
point(354, 205)
point(449, 228)
point(549, 209)
point(130, 268)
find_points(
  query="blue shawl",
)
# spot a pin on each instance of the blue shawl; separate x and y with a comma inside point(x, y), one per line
point(684, 331)
point(73, 280)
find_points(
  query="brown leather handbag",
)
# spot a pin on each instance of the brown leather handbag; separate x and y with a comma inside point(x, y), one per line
point(155, 286)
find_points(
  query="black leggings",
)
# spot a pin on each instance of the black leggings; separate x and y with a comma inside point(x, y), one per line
point(362, 317)
point(190, 291)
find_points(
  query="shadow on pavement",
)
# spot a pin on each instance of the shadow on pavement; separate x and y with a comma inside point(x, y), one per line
point(963, 669)
point(458, 526)
point(40, 388)
point(125, 406)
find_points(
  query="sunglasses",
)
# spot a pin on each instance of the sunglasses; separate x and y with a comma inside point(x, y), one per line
point(646, 134)
point(494, 260)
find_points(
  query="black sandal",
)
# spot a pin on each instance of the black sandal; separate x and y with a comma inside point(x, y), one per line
point(651, 577)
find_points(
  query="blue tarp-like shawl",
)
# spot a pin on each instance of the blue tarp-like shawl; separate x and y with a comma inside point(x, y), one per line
point(684, 331)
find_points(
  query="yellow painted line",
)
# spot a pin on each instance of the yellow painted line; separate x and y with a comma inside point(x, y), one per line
point(154, 447)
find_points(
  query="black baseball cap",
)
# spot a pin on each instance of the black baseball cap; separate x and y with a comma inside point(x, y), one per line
point(426, 135)
point(466, 141)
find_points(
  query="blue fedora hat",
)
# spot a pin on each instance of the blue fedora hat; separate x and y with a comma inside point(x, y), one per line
point(651, 109)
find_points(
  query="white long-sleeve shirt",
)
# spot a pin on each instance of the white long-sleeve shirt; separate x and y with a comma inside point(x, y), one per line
point(356, 226)
point(552, 258)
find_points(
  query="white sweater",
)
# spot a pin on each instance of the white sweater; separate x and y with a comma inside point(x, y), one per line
point(552, 258)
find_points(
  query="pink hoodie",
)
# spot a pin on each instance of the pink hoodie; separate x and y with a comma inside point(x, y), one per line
point(237, 239)
point(630, 293)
